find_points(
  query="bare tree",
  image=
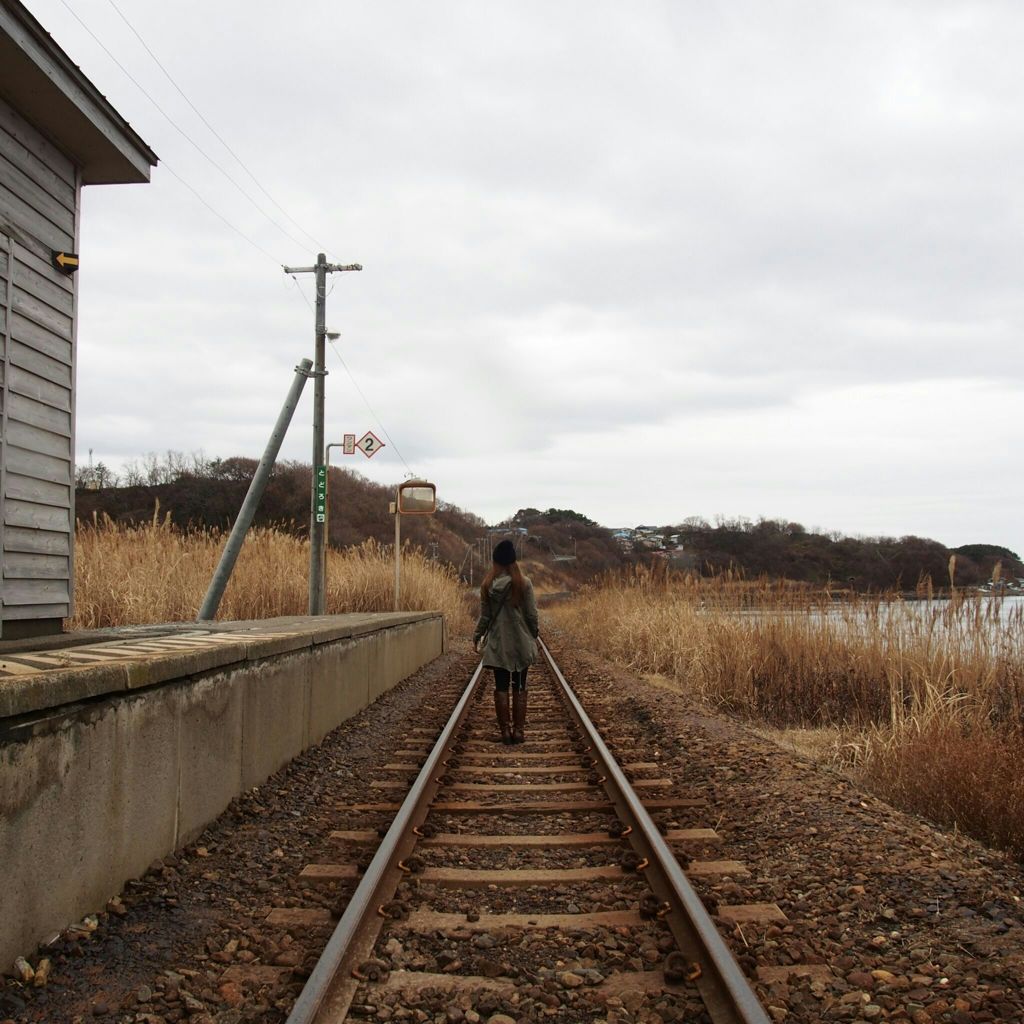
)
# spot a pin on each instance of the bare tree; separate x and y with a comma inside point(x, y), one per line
point(85, 477)
point(175, 466)
point(151, 469)
point(131, 474)
point(104, 476)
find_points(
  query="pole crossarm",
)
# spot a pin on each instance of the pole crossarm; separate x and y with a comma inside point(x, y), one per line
point(329, 268)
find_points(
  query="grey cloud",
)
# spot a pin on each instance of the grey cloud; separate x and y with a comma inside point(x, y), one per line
point(578, 221)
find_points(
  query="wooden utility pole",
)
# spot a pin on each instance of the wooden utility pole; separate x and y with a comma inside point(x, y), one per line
point(318, 488)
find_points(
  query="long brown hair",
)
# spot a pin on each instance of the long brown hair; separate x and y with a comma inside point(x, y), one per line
point(516, 589)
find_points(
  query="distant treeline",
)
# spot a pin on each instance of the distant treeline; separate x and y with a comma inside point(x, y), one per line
point(769, 547)
point(209, 492)
point(201, 492)
point(198, 491)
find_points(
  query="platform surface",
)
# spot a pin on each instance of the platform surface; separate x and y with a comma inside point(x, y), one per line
point(45, 672)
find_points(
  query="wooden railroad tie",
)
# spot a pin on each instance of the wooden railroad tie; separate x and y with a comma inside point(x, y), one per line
point(539, 807)
point(682, 835)
point(552, 769)
point(477, 878)
point(524, 787)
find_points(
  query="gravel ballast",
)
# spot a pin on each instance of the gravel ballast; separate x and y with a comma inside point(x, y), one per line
point(888, 918)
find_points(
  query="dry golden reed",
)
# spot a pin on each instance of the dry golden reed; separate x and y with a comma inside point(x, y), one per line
point(934, 690)
point(156, 572)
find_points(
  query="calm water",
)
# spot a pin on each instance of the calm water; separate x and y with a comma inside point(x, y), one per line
point(1002, 617)
point(996, 610)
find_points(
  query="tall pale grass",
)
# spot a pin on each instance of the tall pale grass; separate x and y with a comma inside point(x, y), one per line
point(156, 572)
point(933, 690)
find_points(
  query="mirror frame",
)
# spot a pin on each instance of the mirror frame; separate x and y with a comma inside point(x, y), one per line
point(414, 485)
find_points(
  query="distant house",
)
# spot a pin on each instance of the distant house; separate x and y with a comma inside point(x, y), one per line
point(624, 538)
point(57, 133)
point(649, 537)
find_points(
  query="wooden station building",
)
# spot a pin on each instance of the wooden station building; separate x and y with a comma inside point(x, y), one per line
point(57, 133)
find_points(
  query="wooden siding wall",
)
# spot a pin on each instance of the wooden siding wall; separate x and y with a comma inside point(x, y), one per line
point(39, 203)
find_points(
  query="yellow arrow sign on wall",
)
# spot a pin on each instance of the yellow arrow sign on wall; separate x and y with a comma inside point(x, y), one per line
point(65, 262)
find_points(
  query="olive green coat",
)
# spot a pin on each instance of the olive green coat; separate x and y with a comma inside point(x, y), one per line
point(512, 632)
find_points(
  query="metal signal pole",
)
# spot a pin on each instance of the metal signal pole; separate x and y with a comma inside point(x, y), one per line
point(318, 504)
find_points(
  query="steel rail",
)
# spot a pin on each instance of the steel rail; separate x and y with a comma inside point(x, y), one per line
point(328, 992)
point(724, 988)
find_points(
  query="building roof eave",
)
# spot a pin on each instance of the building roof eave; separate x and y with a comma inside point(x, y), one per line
point(40, 81)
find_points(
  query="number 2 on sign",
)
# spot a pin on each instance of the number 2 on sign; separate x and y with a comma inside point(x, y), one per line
point(370, 444)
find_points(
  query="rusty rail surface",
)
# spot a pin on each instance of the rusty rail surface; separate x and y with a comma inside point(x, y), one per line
point(329, 991)
point(723, 986)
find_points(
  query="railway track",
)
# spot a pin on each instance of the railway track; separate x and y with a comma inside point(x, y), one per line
point(501, 863)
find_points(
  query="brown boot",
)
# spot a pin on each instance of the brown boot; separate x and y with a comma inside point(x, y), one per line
point(501, 709)
point(518, 716)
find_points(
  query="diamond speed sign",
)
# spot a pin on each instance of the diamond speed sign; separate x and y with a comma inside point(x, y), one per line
point(369, 444)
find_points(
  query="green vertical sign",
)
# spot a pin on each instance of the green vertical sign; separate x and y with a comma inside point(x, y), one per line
point(321, 494)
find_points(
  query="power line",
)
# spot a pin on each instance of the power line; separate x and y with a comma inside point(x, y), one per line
point(181, 131)
point(366, 402)
point(238, 231)
point(355, 384)
point(298, 288)
point(213, 130)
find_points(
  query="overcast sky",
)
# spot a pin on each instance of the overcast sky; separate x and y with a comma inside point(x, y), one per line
point(645, 260)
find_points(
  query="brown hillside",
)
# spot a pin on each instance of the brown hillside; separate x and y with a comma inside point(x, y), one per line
point(212, 495)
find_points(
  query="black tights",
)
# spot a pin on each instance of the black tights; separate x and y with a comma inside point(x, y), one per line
point(503, 677)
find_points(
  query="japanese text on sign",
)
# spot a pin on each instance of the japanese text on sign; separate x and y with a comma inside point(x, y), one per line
point(321, 494)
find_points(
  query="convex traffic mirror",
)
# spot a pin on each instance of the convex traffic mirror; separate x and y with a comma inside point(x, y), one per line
point(417, 498)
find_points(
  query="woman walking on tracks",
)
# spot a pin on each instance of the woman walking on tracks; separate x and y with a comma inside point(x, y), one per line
point(508, 621)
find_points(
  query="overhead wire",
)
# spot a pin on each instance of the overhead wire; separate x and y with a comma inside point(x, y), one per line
point(355, 384)
point(238, 231)
point(298, 288)
point(366, 402)
point(213, 131)
point(181, 131)
point(210, 206)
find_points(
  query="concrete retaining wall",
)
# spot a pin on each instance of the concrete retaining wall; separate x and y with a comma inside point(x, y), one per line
point(114, 754)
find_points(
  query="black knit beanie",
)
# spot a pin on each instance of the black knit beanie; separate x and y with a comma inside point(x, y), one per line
point(505, 553)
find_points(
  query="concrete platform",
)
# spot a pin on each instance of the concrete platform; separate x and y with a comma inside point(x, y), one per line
point(118, 747)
